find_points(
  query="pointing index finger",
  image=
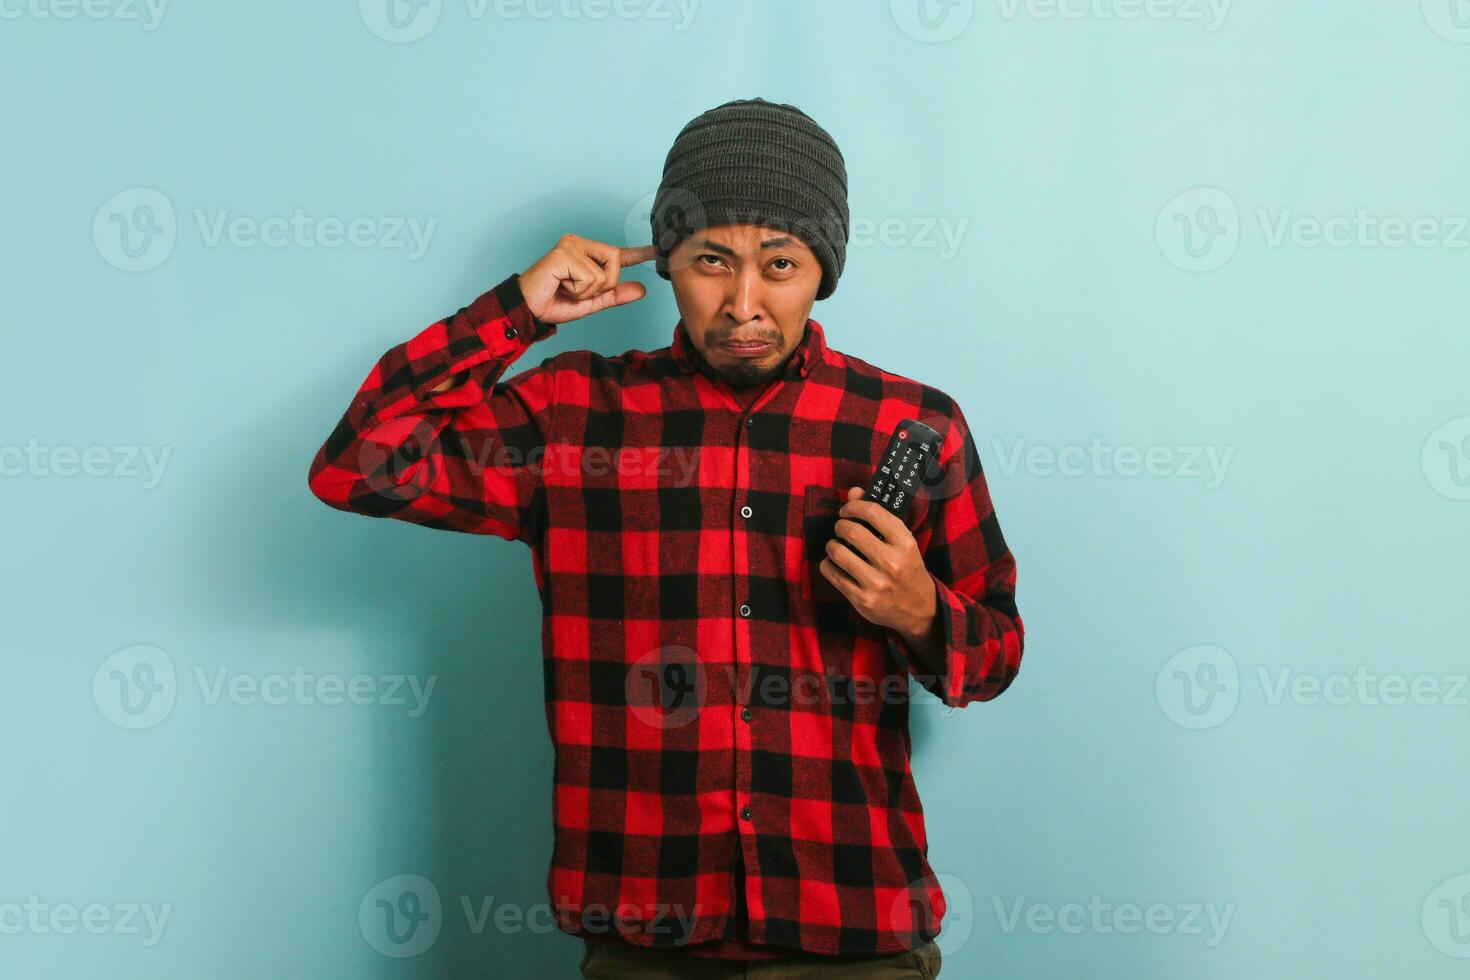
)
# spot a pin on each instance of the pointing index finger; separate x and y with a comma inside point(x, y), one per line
point(633, 256)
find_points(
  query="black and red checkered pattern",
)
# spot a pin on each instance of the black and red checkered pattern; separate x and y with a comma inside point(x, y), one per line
point(707, 689)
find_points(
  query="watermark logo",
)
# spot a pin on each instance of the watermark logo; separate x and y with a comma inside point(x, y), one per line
point(148, 13)
point(932, 21)
point(145, 463)
point(1445, 459)
point(400, 21)
point(135, 230)
point(302, 688)
point(1362, 229)
point(1198, 687)
point(1446, 917)
point(406, 21)
point(1209, 13)
point(136, 687)
point(36, 917)
point(666, 687)
point(1450, 19)
point(954, 464)
point(402, 459)
point(957, 923)
point(1362, 687)
point(683, 214)
point(308, 231)
point(1199, 230)
point(1098, 917)
point(1208, 464)
point(401, 916)
point(404, 915)
point(638, 222)
point(940, 233)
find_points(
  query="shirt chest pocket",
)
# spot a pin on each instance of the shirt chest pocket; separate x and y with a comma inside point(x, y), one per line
point(819, 508)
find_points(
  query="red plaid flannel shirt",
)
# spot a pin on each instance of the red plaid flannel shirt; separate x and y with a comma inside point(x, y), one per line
point(707, 689)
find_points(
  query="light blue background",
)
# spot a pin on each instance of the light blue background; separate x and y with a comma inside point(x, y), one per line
point(1066, 315)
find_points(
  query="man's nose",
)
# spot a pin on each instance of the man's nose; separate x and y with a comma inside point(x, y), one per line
point(743, 303)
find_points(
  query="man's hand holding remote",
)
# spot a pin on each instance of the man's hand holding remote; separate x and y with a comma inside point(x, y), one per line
point(884, 578)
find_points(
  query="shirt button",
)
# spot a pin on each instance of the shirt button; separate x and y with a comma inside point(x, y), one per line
point(749, 421)
point(746, 713)
point(746, 511)
point(744, 609)
point(510, 333)
point(745, 813)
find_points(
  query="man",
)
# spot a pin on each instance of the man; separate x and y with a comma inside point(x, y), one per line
point(726, 647)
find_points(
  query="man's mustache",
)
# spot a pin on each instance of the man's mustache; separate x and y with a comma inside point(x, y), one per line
point(766, 338)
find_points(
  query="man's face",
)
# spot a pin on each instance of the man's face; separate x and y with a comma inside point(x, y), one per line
point(744, 293)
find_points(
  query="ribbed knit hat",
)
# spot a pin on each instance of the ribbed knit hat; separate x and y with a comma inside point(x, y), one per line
point(753, 162)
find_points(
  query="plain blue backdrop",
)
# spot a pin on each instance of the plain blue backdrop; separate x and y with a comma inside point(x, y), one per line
point(1196, 273)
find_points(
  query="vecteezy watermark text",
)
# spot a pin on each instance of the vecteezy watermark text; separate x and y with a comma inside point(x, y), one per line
point(1201, 229)
point(406, 21)
point(301, 687)
point(1098, 917)
point(148, 13)
point(1206, 463)
point(938, 21)
point(119, 462)
point(403, 915)
point(40, 918)
point(136, 230)
point(388, 460)
point(1209, 13)
point(137, 687)
point(1200, 687)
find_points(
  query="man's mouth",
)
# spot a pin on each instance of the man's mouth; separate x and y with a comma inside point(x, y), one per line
point(747, 348)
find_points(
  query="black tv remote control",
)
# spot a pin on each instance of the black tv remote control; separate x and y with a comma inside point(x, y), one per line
point(905, 462)
point(901, 470)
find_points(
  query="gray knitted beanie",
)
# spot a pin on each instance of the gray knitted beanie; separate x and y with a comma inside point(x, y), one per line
point(753, 162)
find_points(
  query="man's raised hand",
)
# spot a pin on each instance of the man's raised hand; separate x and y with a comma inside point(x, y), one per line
point(581, 276)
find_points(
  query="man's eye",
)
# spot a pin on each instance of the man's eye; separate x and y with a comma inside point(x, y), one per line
point(707, 255)
point(789, 264)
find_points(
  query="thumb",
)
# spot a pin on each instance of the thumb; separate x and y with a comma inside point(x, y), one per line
point(624, 293)
point(620, 295)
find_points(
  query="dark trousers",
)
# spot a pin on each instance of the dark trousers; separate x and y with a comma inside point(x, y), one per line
point(618, 960)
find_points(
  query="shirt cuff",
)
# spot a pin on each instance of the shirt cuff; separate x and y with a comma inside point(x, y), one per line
point(947, 610)
point(496, 328)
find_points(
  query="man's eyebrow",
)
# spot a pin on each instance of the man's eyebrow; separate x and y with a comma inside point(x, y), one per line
point(726, 250)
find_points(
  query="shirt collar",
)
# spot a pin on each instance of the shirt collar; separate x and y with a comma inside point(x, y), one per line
point(809, 352)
